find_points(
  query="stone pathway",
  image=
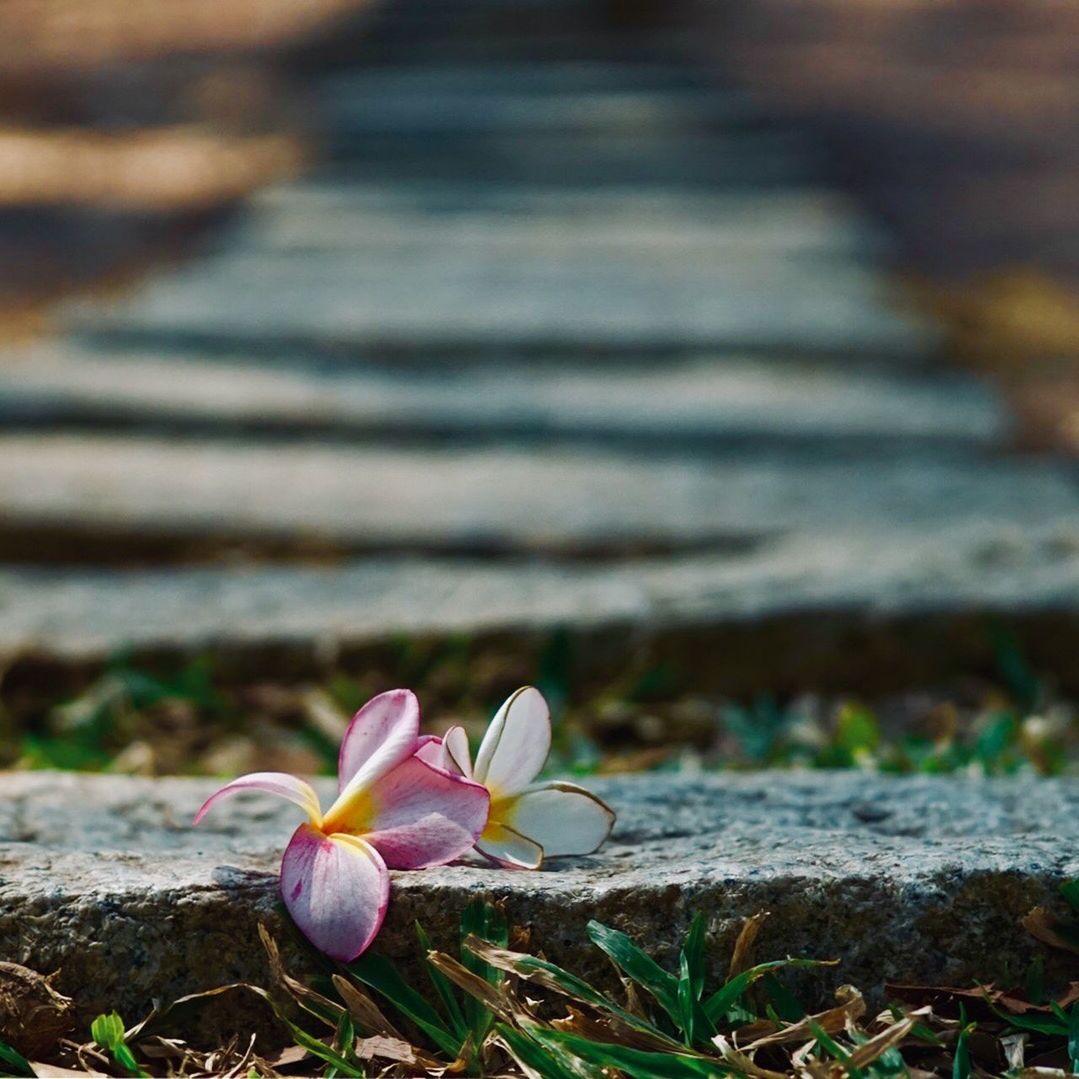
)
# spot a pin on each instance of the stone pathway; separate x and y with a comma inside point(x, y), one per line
point(916, 879)
point(560, 334)
point(560, 337)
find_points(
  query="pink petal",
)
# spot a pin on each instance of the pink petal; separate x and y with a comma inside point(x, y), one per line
point(279, 783)
point(516, 744)
point(382, 734)
point(424, 816)
point(337, 889)
point(509, 849)
point(429, 750)
point(561, 817)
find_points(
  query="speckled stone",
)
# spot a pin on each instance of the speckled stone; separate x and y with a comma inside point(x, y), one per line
point(103, 878)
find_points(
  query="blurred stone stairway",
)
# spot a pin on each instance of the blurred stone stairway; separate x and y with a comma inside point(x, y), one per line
point(562, 336)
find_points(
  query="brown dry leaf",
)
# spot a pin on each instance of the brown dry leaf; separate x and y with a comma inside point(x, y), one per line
point(850, 1009)
point(308, 999)
point(608, 1029)
point(33, 1015)
point(54, 1071)
point(880, 1043)
point(741, 957)
point(1041, 924)
point(398, 1051)
point(364, 1011)
point(498, 1000)
point(741, 1062)
point(940, 995)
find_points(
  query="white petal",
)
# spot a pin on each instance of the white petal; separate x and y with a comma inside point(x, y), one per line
point(509, 849)
point(516, 744)
point(455, 747)
point(561, 817)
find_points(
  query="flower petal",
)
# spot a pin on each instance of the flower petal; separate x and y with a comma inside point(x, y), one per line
point(508, 848)
point(381, 735)
point(561, 817)
point(337, 889)
point(455, 747)
point(422, 815)
point(429, 750)
point(516, 744)
point(282, 784)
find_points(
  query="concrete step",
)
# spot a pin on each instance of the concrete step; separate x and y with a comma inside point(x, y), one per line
point(601, 100)
point(483, 298)
point(154, 494)
point(740, 161)
point(539, 82)
point(364, 111)
point(368, 218)
point(905, 879)
point(722, 404)
point(831, 610)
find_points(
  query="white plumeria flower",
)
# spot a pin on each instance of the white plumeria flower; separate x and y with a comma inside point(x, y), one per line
point(528, 821)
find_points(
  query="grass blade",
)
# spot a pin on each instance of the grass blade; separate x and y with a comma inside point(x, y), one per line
point(443, 987)
point(380, 975)
point(1073, 1038)
point(640, 966)
point(634, 1062)
point(553, 977)
point(15, 1061)
point(693, 955)
point(486, 922)
point(535, 1060)
point(109, 1032)
point(961, 1062)
point(722, 1000)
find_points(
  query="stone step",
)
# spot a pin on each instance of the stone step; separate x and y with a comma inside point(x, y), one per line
point(743, 161)
point(155, 494)
point(644, 115)
point(829, 610)
point(538, 82)
point(485, 299)
point(360, 217)
point(723, 404)
point(922, 879)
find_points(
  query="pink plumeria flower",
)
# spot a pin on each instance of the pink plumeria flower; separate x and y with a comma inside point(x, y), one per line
point(528, 821)
point(394, 810)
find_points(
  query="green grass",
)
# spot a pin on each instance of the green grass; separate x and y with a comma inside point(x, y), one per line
point(192, 722)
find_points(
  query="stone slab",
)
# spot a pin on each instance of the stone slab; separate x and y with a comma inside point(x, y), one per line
point(722, 402)
point(924, 879)
point(486, 299)
point(368, 218)
point(590, 502)
point(360, 109)
point(540, 80)
point(751, 161)
point(830, 611)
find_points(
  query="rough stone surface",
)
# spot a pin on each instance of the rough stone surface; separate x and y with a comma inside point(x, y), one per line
point(425, 299)
point(503, 500)
point(630, 222)
point(813, 610)
point(920, 878)
point(727, 404)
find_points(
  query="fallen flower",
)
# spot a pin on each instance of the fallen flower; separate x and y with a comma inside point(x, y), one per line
point(394, 810)
point(528, 821)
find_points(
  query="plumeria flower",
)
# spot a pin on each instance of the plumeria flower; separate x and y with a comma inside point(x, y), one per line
point(528, 821)
point(394, 810)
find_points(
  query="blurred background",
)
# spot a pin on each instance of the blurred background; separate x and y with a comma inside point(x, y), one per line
point(713, 364)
